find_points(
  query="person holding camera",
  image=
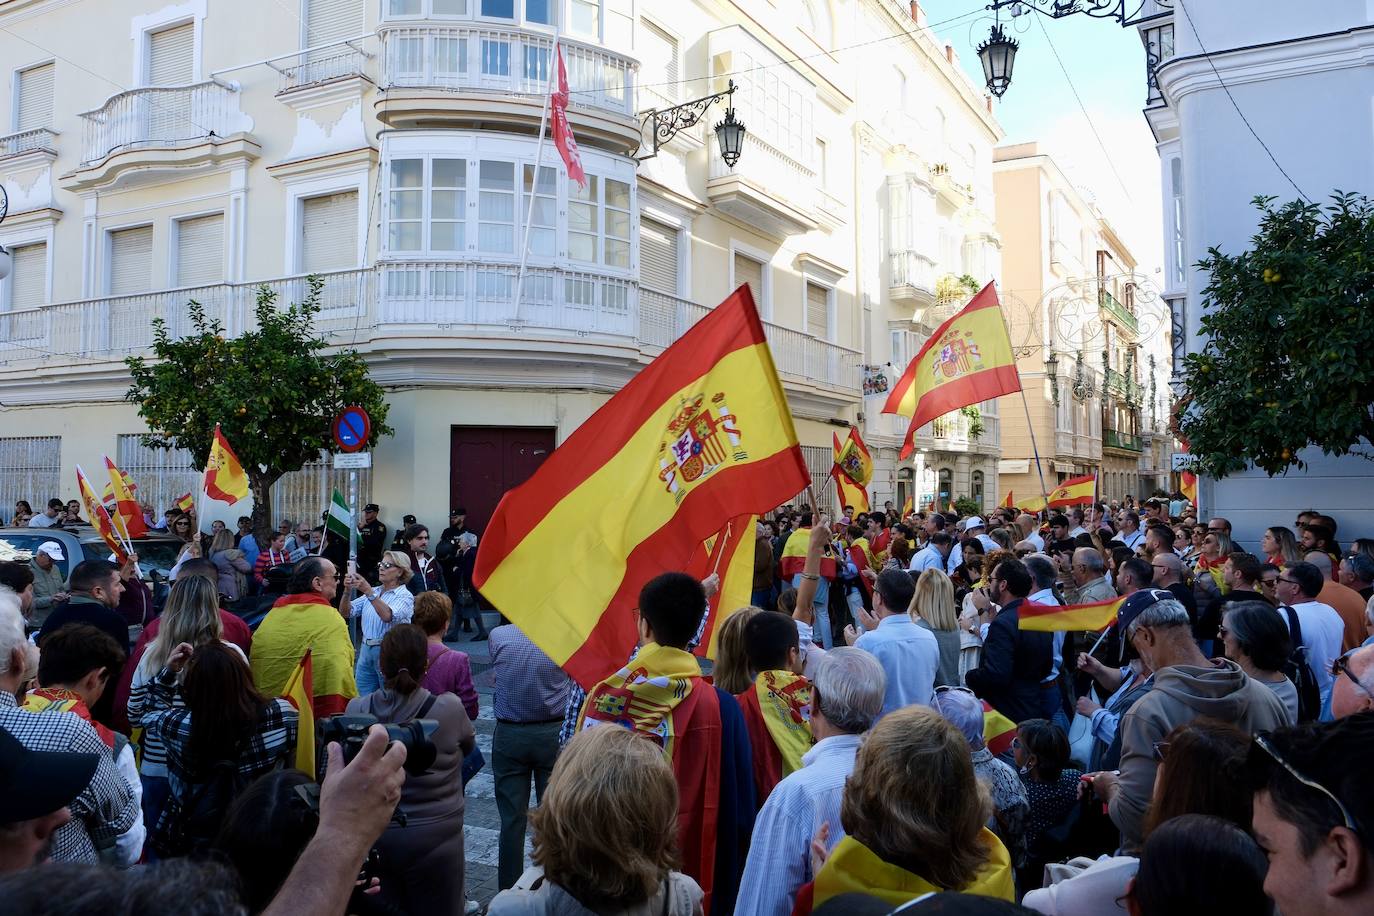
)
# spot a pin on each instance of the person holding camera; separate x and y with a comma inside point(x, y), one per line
point(421, 859)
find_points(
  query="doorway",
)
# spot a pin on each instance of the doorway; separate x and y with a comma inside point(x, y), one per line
point(486, 461)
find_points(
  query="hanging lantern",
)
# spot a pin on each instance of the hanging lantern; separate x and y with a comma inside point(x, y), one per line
point(998, 55)
point(730, 137)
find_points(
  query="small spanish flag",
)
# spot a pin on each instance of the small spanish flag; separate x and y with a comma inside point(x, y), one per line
point(1051, 618)
point(299, 692)
point(850, 491)
point(225, 480)
point(1009, 502)
point(184, 502)
point(908, 507)
point(998, 730)
point(1187, 484)
point(730, 554)
point(128, 514)
point(100, 518)
point(1075, 492)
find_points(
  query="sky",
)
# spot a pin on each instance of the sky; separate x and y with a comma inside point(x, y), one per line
point(1106, 65)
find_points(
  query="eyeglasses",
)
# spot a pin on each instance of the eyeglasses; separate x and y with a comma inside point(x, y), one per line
point(386, 565)
point(1350, 823)
point(953, 688)
point(1160, 750)
point(1289, 581)
point(1342, 666)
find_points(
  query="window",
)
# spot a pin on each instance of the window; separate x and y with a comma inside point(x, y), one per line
point(660, 67)
point(30, 468)
point(749, 271)
point(1176, 242)
point(170, 56)
point(161, 474)
point(822, 164)
point(33, 97)
point(543, 239)
point(946, 486)
point(781, 108)
point(302, 495)
point(498, 9)
point(448, 204)
point(200, 251)
point(496, 207)
point(977, 493)
point(131, 260)
point(585, 17)
point(329, 21)
point(818, 310)
point(28, 279)
point(658, 256)
point(405, 208)
point(329, 232)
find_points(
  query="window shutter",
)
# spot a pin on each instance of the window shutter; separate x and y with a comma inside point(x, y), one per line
point(818, 310)
point(660, 72)
point(658, 256)
point(328, 21)
point(131, 260)
point(170, 56)
point(747, 270)
point(329, 232)
point(28, 279)
point(35, 98)
point(200, 250)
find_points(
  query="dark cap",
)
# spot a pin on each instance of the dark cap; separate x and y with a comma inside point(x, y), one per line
point(50, 780)
point(408, 519)
point(458, 510)
point(1136, 603)
point(371, 507)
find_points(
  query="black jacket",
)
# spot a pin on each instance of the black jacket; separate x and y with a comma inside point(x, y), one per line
point(1012, 666)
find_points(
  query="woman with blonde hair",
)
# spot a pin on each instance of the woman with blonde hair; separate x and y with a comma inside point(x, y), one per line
point(381, 607)
point(732, 672)
point(230, 564)
point(914, 814)
point(621, 782)
point(1280, 547)
point(932, 607)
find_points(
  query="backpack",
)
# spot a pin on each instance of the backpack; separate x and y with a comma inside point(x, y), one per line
point(194, 826)
point(1299, 670)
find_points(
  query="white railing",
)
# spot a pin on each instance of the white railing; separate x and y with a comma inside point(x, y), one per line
point(769, 167)
point(26, 140)
point(951, 429)
point(312, 68)
point(507, 61)
point(912, 268)
point(664, 318)
point(162, 116)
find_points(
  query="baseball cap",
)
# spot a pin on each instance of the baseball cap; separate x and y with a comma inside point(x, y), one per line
point(458, 510)
point(1136, 603)
point(408, 519)
point(50, 779)
point(371, 507)
point(972, 522)
point(52, 549)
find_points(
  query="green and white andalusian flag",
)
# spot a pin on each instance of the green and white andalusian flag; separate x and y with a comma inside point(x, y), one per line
point(340, 521)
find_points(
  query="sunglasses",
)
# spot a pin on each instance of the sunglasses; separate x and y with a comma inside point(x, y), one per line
point(953, 688)
point(1342, 666)
point(1350, 823)
point(386, 565)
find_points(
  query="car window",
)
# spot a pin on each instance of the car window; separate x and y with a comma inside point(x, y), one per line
point(19, 548)
point(153, 556)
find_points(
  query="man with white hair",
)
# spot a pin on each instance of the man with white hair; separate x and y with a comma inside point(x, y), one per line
point(1353, 691)
point(1010, 804)
point(1026, 523)
point(105, 817)
point(1187, 686)
point(846, 699)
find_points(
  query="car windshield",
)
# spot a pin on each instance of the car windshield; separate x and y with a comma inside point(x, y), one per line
point(153, 555)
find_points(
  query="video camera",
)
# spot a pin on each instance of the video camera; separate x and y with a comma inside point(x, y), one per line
point(351, 731)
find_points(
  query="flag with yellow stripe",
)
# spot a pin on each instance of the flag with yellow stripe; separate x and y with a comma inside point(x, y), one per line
point(730, 554)
point(1075, 492)
point(700, 436)
point(1051, 618)
point(849, 491)
point(299, 692)
point(998, 730)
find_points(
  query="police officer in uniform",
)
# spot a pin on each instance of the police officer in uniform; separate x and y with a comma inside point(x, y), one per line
point(371, 543)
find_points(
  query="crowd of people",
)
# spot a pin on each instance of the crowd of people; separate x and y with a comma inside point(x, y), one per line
point(877, 730)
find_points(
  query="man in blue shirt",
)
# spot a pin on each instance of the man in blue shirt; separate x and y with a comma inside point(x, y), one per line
point(908, 653)
point(933, 555)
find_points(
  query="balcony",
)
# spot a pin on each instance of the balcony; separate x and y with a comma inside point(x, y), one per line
point(1159, 47)
point(37, 140)
point(1117, 383)
point(320, 66)
point(1117, 312)
point(911, 278)
point(767, 188)
point(499, 77)
point(957, 194)
point(1118, 440)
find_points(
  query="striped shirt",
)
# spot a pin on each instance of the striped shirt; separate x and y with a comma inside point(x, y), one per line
point(399, 599)
point(152, 755)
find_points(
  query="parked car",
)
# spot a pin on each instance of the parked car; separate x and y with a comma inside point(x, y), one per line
point(157, 552)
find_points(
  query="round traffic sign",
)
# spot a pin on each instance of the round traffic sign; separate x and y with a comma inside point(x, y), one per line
point(352, 429)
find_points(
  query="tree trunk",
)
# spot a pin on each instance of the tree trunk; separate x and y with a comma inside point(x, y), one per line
point(260, 484)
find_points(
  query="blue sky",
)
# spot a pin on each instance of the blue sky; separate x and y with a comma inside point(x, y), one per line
point(1106, 64)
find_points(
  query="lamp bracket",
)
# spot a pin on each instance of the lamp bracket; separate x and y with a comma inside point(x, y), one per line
point(661, 125)
point(1125, 12)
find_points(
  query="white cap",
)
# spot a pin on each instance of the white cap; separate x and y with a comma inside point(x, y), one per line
point(971, 522)
point(52, 549)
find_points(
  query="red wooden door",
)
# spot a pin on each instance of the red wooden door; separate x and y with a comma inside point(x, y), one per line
point(486, 461)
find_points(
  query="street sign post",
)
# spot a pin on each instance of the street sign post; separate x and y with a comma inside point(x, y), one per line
point(352, 428)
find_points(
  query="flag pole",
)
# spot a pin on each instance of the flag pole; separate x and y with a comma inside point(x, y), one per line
point(1030, 425)
point(534, 182)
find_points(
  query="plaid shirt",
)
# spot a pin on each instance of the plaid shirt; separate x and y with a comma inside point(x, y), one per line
point(272, 741)
point(105, 810)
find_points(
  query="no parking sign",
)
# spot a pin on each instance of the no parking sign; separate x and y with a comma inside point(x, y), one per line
point(352, 429)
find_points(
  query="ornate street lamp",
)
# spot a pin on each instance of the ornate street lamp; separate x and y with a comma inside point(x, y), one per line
point(1052, 370)
point(663, 124)
point(730, 137)
point(998, 55)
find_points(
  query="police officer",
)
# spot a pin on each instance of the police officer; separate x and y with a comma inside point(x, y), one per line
point(371, 543)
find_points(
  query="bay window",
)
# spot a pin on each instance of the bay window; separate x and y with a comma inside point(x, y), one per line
point(581, 17)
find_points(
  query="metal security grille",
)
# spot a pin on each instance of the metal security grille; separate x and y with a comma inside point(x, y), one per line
point(304, 495)
point(819, 461)
point(162, 475)
point(30, 469)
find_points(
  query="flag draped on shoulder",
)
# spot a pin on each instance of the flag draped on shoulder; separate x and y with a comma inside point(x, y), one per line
point(850, 489)
point(299, 692)
point(967, 360)
point(225, 480)
point(1052, 618)
point(128, 514)
point(100, 518)
point(700, 436)
point(1076, 492)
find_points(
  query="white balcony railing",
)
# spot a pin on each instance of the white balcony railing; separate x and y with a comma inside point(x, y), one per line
point(162, 116)
point(770, 168)
point(28, 140)
point(508, 61)
point(912, 268)
point(321, 65)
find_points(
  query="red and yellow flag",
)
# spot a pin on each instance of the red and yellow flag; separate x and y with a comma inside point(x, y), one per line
point(1051, 618)
point(1187, 484)
point(100, 518)
point(108, 495)
point(299, 692)
point(908, 507)
point(967, 360)
point(185, 502)
point(701, 435)
point(128, 514)
point(849, 491)
point(1076, 492)
point(998, 730)
point(225, 480)
point(1010, 501)
point(730, 554)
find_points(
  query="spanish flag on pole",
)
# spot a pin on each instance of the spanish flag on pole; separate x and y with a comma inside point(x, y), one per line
point(225, 480)
point(1075, 492)
point(908, 507)
point(850, 490)
point(100, 517)
point(700, 436)
point(299, 692)
point(1051, 618)
point(1010, 501)
point(128, 514)
point(967, 360)
point(730, 554)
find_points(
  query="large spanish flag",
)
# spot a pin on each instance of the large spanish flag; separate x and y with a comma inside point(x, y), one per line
point(1051, 618)
point(225, 480)
point(967, 360)
point(300, 693)
point(701, 435)
point(128, 514)
point(1076, 492)
point(850, 491)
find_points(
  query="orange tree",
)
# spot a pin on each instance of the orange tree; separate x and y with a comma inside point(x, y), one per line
point(274, 390)
point(1288, 360)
